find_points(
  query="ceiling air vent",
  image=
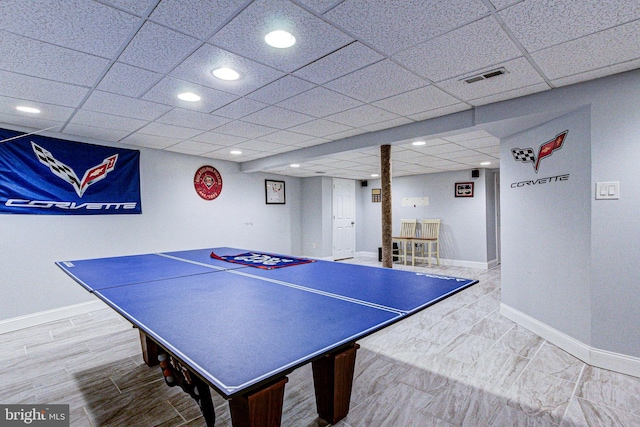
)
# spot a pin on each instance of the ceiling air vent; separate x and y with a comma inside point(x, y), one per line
point(485, 75)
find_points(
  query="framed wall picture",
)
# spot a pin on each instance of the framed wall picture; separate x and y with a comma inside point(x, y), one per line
point(274, 192)
point(464, 189)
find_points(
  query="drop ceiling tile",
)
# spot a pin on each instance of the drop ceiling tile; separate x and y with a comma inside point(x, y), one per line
point(444, 164)
point(38, 90)
point(119, 105)
point(343, 164)
point(320, 128)
point(455, 108)
point(377, 81)
point(427, 143)
point(82, 25)
point(128, 80)
point(286, 138)
point(472, 47)
point(170, 131)
point(392, 26)
point(345, 134)
point(460, 156)
point(501, 4)
point(365, 115)
point(320, 6)
point(519, 73)
point(280, 90)
point(107, 121)
point(240, 108)
point(192, 119)
point(256, 145)
point(541, 24)
point(277, 117)
point(417, 101)
point(245, 129)
point(157, 48)
point(460, 138)
point(509, 94)
point(319, 102)
point(193, 147)
point(31, 122)
point(339, 63)
point(595, 74)
point(426, 161)
point(167, 90)
point(493, 151)
point(442, 149)
point(47, 111)
point(219, 139)
point(398, 153)
point(35, 58)
point(312, 142)
point(100, 133)
point(386, 125)
point(150, 141)
point(224, 154)
point(198, 18)
point(589, 53)
point(137, 7)
point(355, 156)
point(244, 35)
point(474, 160)
point(198, 67)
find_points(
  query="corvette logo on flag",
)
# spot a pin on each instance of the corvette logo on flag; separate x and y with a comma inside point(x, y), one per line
point(50, 176)
point(91, 176)
point(527, 155)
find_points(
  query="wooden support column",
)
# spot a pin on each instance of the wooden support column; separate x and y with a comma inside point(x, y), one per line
point(387, 223)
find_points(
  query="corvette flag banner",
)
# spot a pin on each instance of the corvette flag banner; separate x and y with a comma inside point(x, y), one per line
point(50, 176)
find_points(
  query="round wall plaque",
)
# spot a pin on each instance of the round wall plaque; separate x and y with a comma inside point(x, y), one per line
point(208, 182)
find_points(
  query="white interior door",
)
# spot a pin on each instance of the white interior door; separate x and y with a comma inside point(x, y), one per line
point(344, 218)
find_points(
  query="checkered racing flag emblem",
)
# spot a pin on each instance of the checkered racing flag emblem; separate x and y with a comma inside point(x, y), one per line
point(59, 169)
point(524, 155)
point(527, 155)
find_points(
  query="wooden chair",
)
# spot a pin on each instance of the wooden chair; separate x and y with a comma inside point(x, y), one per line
point(407, 233)
point(429, 237)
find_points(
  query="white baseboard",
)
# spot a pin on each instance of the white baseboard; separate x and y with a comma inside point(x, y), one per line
point(444, 261)
point(35, 319)
point(617, 362)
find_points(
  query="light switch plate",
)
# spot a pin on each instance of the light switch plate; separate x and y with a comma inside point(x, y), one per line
point(609, 190)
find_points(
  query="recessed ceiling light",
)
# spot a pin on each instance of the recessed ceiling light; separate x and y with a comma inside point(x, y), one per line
point(226, 74)
point(236, 152)
point(485, 163)
point(374, 175)
point(294, 165)
point(189, 96)
point(418, 143)
point(28, 109)
point(280, 39)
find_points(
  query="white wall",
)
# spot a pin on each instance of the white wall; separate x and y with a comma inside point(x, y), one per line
point(546, 228)
point(463, 231)
point(173, 217)
point(608, 250)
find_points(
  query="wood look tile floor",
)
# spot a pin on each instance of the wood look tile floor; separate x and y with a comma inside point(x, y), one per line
point(457, 363)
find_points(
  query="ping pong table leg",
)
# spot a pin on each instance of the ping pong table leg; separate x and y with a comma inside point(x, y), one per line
point(149, 350)
point(333, 380)
point(197, 388)
point(259, 408)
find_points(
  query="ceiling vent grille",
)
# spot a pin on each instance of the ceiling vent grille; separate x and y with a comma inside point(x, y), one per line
point(486, 75)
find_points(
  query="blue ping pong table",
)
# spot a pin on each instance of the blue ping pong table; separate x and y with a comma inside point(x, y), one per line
point(241, 330)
